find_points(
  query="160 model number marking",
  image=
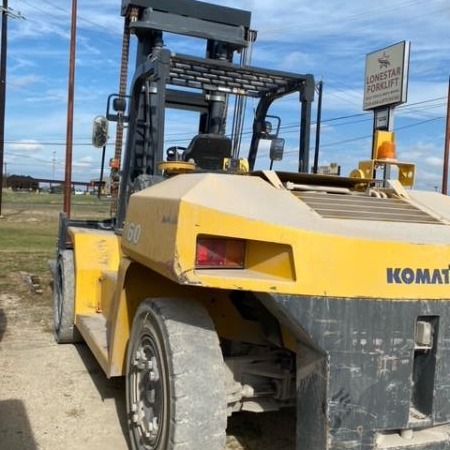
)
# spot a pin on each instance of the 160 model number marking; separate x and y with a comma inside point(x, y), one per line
point(133, 233)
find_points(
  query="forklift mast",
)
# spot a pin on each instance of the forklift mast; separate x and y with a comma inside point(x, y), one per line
point(164, 79)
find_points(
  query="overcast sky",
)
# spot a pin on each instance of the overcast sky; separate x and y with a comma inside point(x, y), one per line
point(326, 38)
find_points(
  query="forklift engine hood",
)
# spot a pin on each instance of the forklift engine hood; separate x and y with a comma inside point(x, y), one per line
point(294, 244)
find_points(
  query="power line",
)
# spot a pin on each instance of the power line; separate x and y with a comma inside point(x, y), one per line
point(406, 108)
point(78, 16)
point(41, 10)
point(65, 11)
point(10, 12)
point(292, 127)
point(343, 92)
point(88, 144)
point(416, 106)
point(351, 18)
point(359, 138)
point(57, 7)
point(404, 127)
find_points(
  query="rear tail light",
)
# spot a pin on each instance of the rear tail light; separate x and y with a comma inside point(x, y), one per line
point(213, 253)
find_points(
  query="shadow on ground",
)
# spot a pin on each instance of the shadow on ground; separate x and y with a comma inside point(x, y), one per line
point(15, 428)
point(264, 431)
point(113, 388)
point(3, 322)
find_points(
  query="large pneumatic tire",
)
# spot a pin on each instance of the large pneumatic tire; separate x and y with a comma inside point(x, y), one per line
point(63, 300)
point(175, 378)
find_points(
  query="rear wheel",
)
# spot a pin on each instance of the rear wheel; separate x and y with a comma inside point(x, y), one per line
point(175, 378)
point(64, 300)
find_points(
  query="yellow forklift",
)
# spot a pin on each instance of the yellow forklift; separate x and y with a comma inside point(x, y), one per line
point(221, 287)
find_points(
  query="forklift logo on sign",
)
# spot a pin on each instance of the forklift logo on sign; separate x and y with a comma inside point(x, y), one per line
point(384, 61)
point(386, 77)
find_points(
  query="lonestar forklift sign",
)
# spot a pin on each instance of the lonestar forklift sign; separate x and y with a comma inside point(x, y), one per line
point(386, 76)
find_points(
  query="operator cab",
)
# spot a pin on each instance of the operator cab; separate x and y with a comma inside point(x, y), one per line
point(206, 87)
point(208, 151)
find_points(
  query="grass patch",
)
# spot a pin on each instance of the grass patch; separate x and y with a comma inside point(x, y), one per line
point(29, 229)
point(27, 237)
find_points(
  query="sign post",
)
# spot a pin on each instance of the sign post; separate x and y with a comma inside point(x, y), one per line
point(386, 86)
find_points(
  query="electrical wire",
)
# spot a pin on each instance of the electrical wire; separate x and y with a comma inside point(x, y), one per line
point(359, 138)
point(417, 106)
point(369, 14)
point(41, 10)
point(80, 18)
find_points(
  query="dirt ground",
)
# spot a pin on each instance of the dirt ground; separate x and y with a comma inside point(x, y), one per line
point(55, 397)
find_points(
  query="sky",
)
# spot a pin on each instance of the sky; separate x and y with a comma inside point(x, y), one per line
point(325, 38)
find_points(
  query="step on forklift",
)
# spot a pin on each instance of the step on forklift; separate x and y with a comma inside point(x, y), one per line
point(222, 286)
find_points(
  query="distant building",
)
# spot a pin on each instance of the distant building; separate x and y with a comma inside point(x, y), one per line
point(56, 189)
point(105, 187)
point(22, 183)
point(331, 169)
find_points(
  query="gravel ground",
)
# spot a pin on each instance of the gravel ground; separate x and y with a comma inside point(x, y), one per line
point(55, 397)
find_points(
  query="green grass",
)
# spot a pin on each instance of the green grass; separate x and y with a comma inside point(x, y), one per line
point(17, 198)
point(29, 228)
point(48, 200)
point(27, 237)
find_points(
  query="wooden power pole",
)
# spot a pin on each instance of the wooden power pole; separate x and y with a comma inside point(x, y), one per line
point(446, 146)
point(70, 96)
point(3, 91)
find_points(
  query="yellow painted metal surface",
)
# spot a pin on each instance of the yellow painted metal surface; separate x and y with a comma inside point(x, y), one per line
point(240, 166)
point(292, 250)
point(95, 252)
point(325, 265)
point(176, 167)
point(228, 321)
point(136, 283)
point(406, 171)
point(120, 321)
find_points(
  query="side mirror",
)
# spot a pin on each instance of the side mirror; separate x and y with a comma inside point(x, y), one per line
point(100, 132)
point(276, 149)
point(269, 130)
point(116, 108)
point(119, 104)
point(266, 129)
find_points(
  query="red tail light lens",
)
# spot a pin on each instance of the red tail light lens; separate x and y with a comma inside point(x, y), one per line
point(213, 253)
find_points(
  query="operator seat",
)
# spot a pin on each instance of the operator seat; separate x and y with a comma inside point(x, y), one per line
point(208, 151)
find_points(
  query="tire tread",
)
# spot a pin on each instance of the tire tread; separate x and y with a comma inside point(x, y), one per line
point(196, 374)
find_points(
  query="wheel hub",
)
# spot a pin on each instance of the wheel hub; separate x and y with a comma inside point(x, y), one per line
point(147, 405)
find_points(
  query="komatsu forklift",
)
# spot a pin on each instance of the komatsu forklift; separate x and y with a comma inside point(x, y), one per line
point(222, 286)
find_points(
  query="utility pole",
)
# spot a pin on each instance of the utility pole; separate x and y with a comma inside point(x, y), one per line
point(53, 166)
point(318, 123)
point(446, 145)
point(70, 95)
point(3, 91)
point(3, 54)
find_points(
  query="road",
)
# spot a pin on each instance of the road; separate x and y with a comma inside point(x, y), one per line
point(55, 397)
